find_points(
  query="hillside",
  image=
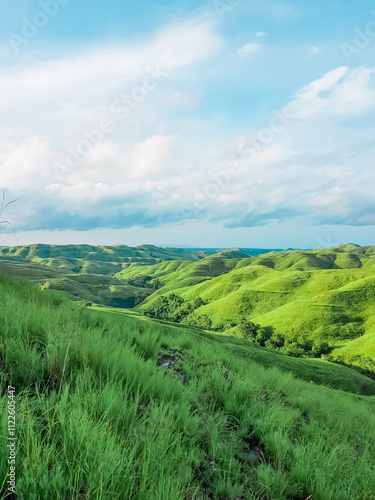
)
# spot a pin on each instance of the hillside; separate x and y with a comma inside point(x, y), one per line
point(86, 272)
point(96, 260)
point(89, 273)
point(325, 295)
point(114, 405)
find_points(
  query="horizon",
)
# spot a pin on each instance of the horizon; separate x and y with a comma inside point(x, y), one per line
point(187, 247)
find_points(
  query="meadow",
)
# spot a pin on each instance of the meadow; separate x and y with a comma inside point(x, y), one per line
point(111, 404)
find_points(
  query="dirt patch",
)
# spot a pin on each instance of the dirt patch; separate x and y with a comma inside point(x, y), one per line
point(171, 362)
point(170, 359)
point(254, 451)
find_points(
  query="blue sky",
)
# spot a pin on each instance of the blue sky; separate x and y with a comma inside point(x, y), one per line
point(228, 123)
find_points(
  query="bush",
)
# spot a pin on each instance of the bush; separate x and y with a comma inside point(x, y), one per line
point(262, 336)
point(249, 329)
point(176, 309)
point(144, 282)
point(199, 321)
point(319, 349)
point(294, 349)
point(276, 341)
point(198, 302)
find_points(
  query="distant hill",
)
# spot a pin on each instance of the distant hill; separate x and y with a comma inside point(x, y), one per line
point(245, 251)
point(323, 295)
point(319, 294)
point(85, 271)
point(91, 272)
point(105, 259)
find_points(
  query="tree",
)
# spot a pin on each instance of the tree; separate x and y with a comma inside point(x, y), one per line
point(262, 336)
point(198, 302)
point(275, 341)
point(319, 349)
point(294, 349)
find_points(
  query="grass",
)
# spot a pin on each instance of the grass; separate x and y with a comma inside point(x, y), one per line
point(118, 406)
point(323, 295)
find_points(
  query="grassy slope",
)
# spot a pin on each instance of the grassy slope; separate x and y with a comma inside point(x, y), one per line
point(180, 274)
point(325, 294)
point(100, 259)
point(98, 288)
point(322, 294)
point(85, 272)
point(116, 406)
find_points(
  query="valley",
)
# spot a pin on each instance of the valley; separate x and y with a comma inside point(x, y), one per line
point(323, 296)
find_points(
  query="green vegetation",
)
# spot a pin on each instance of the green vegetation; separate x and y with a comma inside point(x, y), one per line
point(85, 272)
point(319, 296)
point(308, 298)
point(89, 273)
point(115, 405)
point(174, 308)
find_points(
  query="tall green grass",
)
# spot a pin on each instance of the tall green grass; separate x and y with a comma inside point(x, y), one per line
point(99, 417)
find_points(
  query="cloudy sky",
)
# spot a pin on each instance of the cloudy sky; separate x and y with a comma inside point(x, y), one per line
point(223, 124)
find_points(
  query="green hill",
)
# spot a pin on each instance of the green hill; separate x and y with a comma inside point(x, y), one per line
point(114, 405)
point(324, 295)
point(179, 274)
point(90, 273)
point(98, 260)
point(86, 272)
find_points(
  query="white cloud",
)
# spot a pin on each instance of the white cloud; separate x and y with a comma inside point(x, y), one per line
point(261, 34)
point(318, 167)
point(75, 89)
point(335, 95)
point(150, 158)
point(25, 166)
point(248, 48)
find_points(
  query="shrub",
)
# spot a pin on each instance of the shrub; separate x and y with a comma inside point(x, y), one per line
point(144, 282)
point(276, 341)
point(249, 329)
point(319, 349)
point(294, 349)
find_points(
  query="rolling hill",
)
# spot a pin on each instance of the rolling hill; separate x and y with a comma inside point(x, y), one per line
point(110, 404)
point(88, 273)
point(318, 294)
point(324, 295)
point(89, 259)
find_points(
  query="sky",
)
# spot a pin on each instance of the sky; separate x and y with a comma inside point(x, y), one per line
point(233, 123)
